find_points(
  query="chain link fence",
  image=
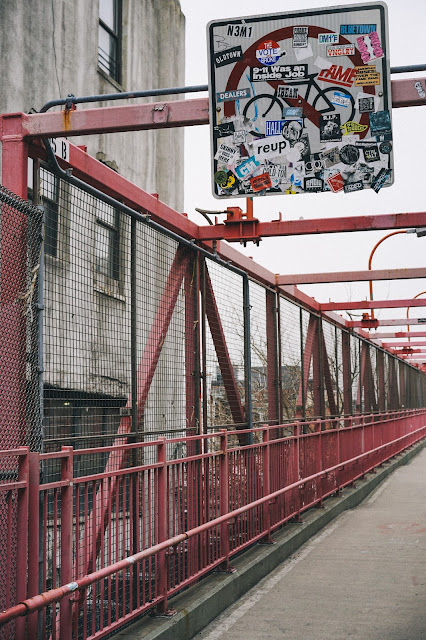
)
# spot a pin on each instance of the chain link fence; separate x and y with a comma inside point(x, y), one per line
point(20, 382)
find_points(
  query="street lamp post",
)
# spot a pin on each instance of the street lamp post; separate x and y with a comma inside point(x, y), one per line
point(394, 233)
point(408, 311)
point(420, 232)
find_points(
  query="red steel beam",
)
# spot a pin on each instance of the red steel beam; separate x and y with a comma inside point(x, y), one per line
point(404, 343)
point(133, 117)
point(255, 229)
point(398, 334)
point(165, 114)
point(327, 375)
point(404, 93)
point(350, 276)
point(308, 349)
point(370, 304)
point(390, 322)
point(408, 351)
point(222, 353)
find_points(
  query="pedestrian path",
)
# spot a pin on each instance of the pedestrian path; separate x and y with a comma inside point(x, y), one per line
point(363, 577)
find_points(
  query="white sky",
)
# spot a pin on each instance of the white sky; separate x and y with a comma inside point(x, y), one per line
point(332, 252)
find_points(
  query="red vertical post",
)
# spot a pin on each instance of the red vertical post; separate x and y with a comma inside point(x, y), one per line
point(266, 484)
point(33, 536)
point(163, 558)
point(162, 522)
point(381, 380)
point(327, 377)
point(272, 356)
point(318, 429)
point(298, 430)
point(393, 384)
point(224, 498)
point(338, 472)
point(306, 364)
point(192, 350)
point(66, 541)
point(317, 368)
point(347, 384)
point(22, 540)
point(402, 387)
point(13, 260)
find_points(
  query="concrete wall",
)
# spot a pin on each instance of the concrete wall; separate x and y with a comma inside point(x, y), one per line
point(49, 49)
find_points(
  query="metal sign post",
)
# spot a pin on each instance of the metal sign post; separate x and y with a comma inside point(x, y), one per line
point(300, 102)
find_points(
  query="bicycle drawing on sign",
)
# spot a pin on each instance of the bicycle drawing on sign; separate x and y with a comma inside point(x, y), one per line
point(330, 100)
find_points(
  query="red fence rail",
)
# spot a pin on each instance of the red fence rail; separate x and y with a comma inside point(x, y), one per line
point(168, 521)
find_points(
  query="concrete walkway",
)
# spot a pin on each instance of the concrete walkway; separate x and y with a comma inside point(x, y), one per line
point(362, 577)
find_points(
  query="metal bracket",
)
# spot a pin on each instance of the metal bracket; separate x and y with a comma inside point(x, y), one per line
point(168, 613)
point(160, 113)
point(228, 570)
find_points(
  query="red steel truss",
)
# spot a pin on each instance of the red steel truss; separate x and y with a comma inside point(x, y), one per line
point(20, 135)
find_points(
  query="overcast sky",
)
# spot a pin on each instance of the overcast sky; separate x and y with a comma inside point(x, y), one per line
point(333, 252)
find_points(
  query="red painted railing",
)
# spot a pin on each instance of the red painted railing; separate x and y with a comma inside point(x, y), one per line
point(168, 521)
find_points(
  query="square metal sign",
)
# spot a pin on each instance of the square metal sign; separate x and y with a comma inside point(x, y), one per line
point(300, 102)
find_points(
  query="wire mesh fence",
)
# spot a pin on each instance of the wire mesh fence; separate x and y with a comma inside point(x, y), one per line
point(114, 334)
point(140, 336)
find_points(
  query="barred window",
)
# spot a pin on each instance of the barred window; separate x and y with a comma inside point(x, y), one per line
point(107, 241)
point(110, 37)
point(50, 197)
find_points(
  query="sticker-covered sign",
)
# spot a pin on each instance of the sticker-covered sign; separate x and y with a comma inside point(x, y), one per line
point(300, 102)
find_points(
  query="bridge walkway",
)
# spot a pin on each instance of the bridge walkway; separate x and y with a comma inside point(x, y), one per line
point(362, 577)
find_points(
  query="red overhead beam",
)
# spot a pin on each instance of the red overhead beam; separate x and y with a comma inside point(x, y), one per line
point(390, 322)
point(133, 117)
point(408, 352)
point(404, 93)
point(350, 276)
point(373, 304)
point(398, 334)
point(254, 230)
point(165, 114)
point(404, 343)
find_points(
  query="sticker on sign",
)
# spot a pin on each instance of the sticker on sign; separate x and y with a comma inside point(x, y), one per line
point(340, 99)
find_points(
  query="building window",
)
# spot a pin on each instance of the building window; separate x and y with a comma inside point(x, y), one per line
point(50, 198)
point(109, 37)
point(107, 241)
